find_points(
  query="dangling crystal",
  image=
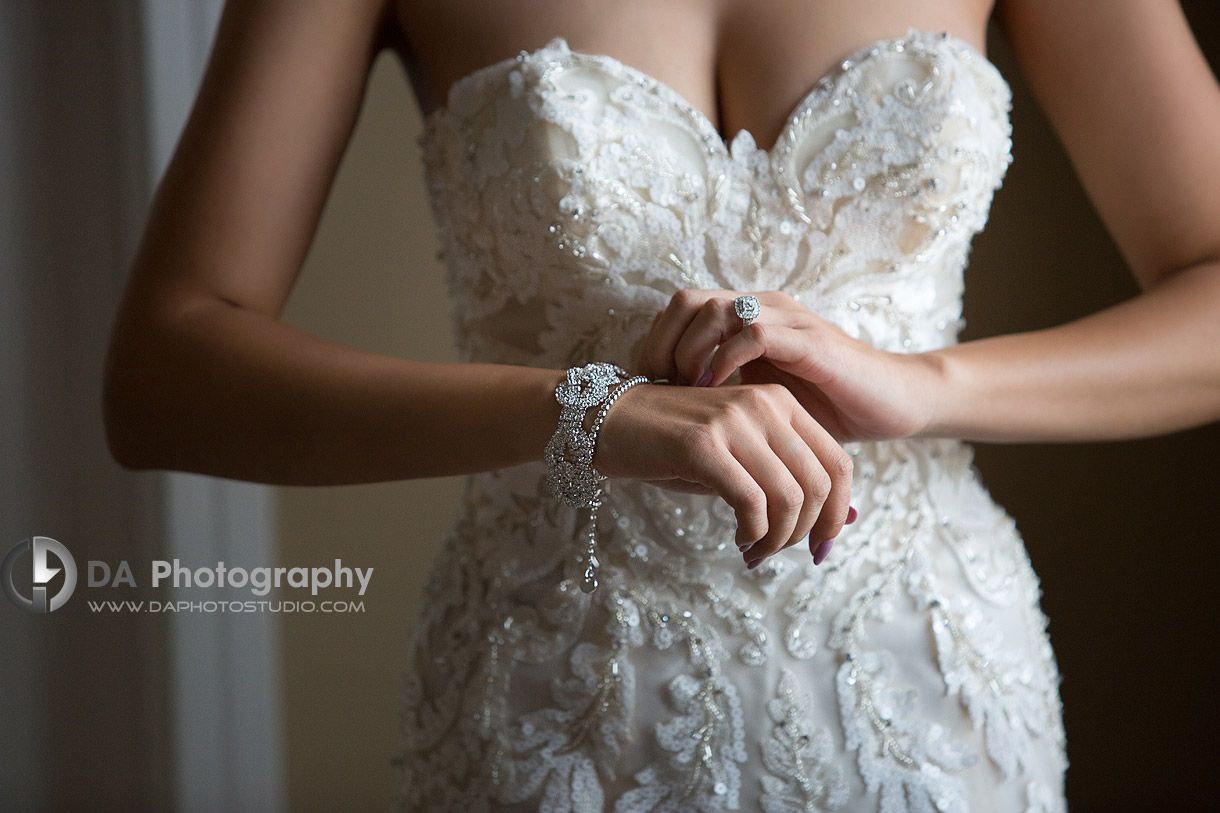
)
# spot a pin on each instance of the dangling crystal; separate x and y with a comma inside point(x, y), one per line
point(589, 583)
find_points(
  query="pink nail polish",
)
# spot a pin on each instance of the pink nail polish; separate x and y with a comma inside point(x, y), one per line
point(704, 379)
point(851, 515)
point(819, 555)
point(755, 563)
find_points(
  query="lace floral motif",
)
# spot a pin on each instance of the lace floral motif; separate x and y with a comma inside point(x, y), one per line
point(574, 195)
point(803, 779)
point(565, 747)
point(707, 740)
point(909, 760)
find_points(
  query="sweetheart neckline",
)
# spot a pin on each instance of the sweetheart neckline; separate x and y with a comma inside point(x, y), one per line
point(711, 132)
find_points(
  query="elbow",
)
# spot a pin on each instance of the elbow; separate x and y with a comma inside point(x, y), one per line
point(124, 429)
point(121, 453)
point(145, 382)
point(132, 399)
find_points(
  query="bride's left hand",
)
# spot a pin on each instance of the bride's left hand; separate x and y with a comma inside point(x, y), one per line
point(855, 391)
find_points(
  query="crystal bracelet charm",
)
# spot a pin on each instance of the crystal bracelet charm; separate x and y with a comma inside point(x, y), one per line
point(569, 453)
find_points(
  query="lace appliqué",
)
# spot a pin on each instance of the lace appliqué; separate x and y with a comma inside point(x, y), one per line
point(707, 740)
point(803, 777)
point(908, 760)
point(563, 749)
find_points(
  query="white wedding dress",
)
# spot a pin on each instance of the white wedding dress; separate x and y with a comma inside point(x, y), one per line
point(911, 671)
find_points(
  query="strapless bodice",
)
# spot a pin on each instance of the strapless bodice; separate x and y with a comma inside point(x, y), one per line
point(575, 194)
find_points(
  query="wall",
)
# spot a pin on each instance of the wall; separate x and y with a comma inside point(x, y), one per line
point(1121, 533)
point(371, 281)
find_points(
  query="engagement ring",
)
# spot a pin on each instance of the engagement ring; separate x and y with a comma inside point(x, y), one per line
point(747, 308)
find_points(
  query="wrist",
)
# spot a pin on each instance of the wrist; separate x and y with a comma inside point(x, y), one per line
point(571, 476)
point(545, 414)
point(939, 392)
point(588, 391)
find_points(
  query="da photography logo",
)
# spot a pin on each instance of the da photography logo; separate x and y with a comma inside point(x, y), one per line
point(39, 548)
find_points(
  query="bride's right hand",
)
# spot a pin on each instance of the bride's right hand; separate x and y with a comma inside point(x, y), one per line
point(753, 444)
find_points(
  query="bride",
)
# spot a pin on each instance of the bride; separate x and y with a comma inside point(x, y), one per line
point(721, 546)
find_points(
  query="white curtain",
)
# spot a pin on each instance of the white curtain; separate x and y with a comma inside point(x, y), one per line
point(140, 710)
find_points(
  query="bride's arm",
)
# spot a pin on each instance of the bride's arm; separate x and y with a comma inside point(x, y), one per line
point(1145, 367)
point(200, 374)
point(1138, 110)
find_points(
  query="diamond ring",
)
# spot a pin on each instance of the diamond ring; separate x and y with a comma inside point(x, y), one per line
point(747, 308)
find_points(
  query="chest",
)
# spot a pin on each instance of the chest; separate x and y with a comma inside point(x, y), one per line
point(742, 64)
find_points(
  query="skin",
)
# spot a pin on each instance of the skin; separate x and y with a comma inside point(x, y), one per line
point(202, 376)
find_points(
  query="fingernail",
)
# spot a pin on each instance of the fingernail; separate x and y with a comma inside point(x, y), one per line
point(755, 563)
point(819, 555)
point(704, 379)
point(851, 515)
point(745, 546)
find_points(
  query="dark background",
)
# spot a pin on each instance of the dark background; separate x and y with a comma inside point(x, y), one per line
point(1121, 534)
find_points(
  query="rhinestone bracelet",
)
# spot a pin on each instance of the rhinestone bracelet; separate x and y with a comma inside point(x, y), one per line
point(569, 453)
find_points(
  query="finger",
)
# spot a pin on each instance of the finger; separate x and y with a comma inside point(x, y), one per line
point(779, 344)
point(784, 493)
point(712, 464)
point(640, 360)
point(713, 324)
point(837, 464)
point(668, 328)
point(793, 446)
